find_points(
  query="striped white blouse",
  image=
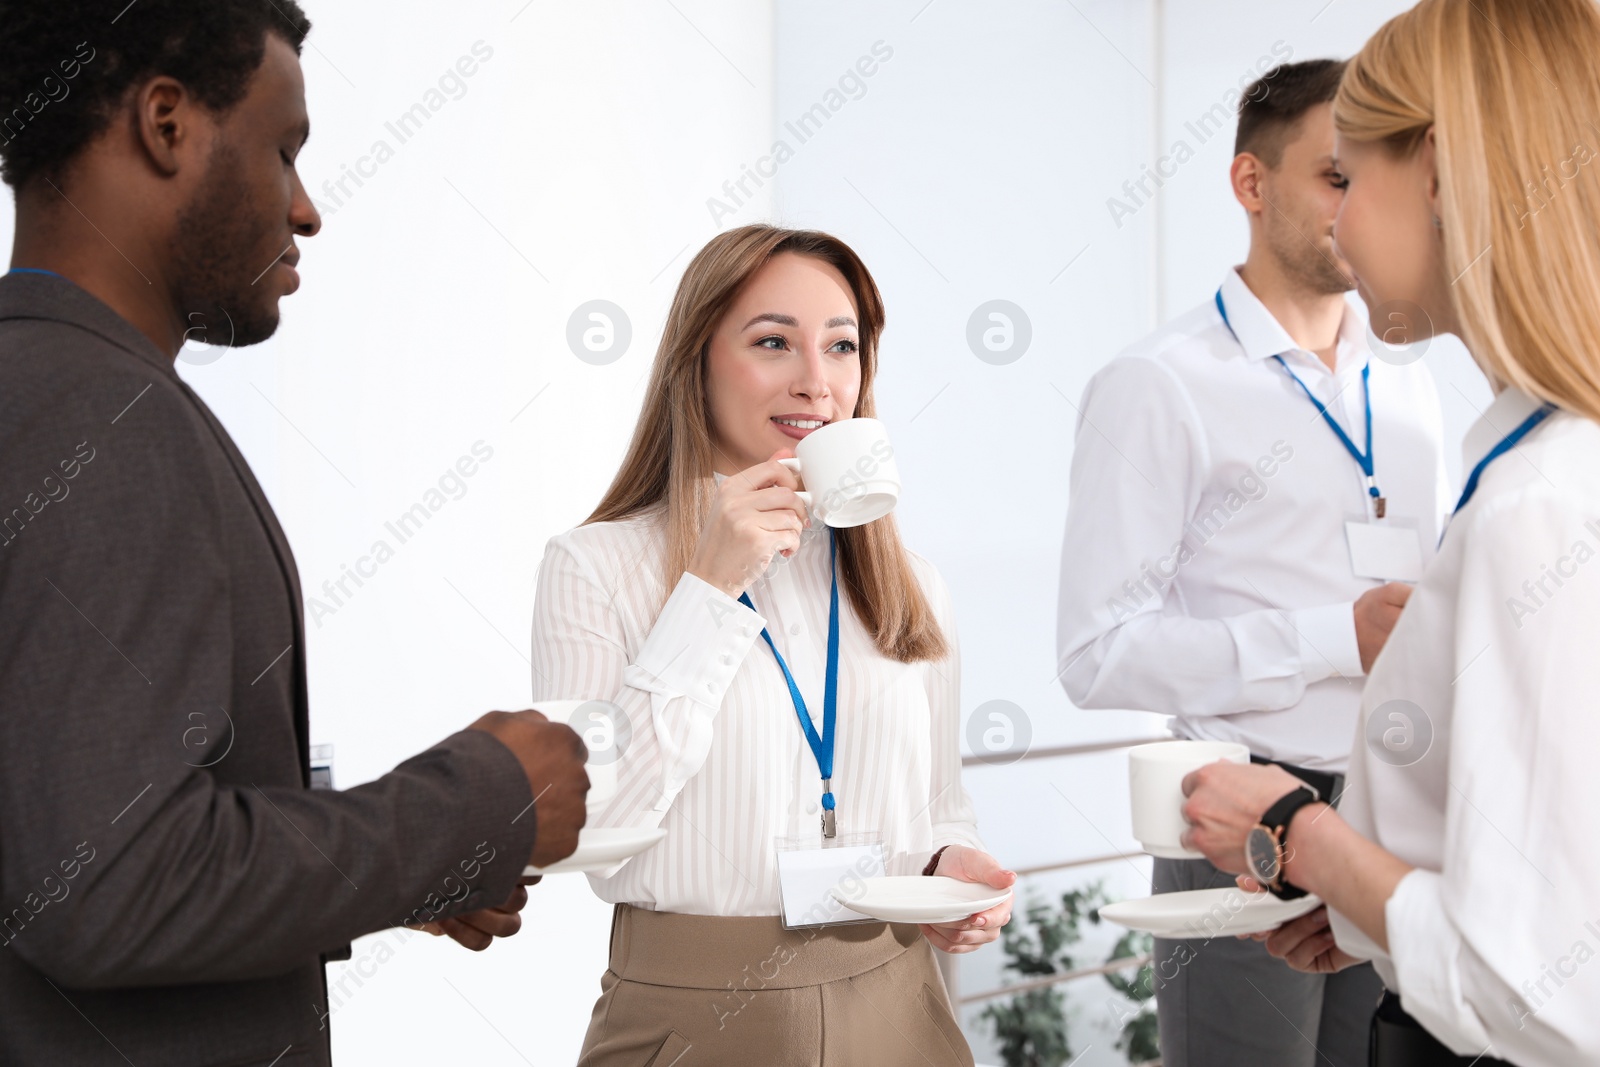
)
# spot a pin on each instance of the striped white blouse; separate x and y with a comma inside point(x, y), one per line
point(712, 750)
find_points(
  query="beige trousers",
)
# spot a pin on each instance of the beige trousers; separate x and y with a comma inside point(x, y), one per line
point(702, 990)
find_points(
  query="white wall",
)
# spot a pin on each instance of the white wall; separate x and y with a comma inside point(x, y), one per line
point(975, 163)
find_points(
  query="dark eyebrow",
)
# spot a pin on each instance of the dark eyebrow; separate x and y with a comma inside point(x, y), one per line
point(772, 316)
point(790, 320)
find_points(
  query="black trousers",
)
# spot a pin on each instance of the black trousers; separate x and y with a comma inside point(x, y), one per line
point(1398, 1040)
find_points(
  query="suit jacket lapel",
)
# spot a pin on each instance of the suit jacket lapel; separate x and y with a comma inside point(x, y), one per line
point(285, 555)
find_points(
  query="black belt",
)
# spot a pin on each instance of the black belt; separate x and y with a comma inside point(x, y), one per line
point(1398, 1040)
point(1329, 787)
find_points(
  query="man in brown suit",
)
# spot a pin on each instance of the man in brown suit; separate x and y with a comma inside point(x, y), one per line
point(169, 883)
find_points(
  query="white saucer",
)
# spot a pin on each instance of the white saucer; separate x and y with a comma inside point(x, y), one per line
point(601, 847)
point(1205, 913)
point(918, 898)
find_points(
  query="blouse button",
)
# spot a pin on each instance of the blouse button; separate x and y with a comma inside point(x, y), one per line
point(711, 687)
point(811, 808)
point(726, 658)
point(794, 628)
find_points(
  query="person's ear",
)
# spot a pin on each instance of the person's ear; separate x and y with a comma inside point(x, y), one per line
point(1245, 175)
point(1429, 161)
point(164, 115)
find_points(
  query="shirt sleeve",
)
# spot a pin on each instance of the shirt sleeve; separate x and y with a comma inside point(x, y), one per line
point(1495, 950)
point(955, 821)
point(669, 692)
point(1124, 639)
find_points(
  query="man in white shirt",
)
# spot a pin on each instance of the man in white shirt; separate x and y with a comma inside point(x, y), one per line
point(1250, 493)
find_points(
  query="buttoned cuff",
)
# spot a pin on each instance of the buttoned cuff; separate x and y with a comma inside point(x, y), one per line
point(1328, 641)
point(1425, 952)
point(699, 640)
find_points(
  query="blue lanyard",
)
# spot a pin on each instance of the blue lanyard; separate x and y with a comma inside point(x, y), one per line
point(1363, 459)
point(1507, 443)
point(821, 747)
point(32, 270)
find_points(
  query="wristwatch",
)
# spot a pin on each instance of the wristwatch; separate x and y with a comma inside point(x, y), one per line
point(1266, 847)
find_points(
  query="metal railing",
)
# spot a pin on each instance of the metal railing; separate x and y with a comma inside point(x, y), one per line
point(1058, 752)
point(1044, 981)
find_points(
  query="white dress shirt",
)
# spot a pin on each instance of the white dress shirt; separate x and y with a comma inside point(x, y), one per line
point(1489, 693)
point(716, 754)
point(1205, 571)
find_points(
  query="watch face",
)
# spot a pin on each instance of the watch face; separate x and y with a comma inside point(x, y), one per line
point(1261, 851)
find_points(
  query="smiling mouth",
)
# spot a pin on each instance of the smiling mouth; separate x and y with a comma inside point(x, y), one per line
point(802, 424)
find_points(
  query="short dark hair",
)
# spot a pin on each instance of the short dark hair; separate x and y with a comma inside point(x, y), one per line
point(66, 67)
point(1273, 105)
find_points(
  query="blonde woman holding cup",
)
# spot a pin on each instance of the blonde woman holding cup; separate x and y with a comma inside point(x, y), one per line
point(1463, 858)
point(702, 598)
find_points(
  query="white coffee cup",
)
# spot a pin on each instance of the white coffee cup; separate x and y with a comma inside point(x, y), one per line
point(1155, 779)
point(596, 721)
point(849, 472)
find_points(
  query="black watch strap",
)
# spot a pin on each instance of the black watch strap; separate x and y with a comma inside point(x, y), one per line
point(1277, 819)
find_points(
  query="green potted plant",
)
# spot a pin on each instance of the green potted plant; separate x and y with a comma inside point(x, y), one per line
point(1031, 1026)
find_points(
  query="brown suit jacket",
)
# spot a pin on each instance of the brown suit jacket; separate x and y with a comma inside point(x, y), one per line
point(168, 881)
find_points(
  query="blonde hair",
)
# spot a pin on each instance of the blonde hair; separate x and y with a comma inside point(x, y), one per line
point(1512, 91)
point(669, 462)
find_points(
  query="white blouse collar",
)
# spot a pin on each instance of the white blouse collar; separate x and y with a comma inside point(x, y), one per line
point(1499, 419)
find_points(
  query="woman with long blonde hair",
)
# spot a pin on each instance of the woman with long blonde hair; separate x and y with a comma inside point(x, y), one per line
point(659, 602)
point(1463, 858)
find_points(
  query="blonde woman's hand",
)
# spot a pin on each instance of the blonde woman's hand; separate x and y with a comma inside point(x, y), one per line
point(756, 516)
point(978, 929)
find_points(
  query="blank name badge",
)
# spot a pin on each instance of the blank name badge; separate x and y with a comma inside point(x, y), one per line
point(807, 878)
point(1384, 550)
